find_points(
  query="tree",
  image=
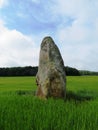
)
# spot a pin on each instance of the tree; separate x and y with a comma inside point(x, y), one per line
point(32, 71)
point(71, 71)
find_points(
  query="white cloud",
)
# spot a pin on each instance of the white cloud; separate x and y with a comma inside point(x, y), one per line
point(81, 56)
point(77, 39)
point(17, 49)
point(73, 34)
point(2, 3)
point(83, 12)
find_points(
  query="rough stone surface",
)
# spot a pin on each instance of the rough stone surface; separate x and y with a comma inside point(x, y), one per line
point(51, 78)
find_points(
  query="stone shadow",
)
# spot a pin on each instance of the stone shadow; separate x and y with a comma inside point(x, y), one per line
point(25, 92)
point(80, 96)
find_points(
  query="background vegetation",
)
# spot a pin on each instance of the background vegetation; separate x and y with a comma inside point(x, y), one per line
point(86, 72)
point(31, 71)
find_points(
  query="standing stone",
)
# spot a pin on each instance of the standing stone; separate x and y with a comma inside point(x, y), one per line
point(50, 78)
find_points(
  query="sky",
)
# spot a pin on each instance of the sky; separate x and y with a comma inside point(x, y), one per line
point(73, 25)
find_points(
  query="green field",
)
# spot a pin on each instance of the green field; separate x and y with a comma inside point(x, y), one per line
point(21, 110)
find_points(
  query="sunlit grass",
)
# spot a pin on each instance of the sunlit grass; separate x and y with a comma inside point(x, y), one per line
point(21, 110)
point(17, 83)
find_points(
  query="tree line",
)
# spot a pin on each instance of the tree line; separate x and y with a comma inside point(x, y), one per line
point(32, 71)
point(86, 72)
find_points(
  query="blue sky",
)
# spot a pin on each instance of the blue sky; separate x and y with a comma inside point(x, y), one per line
point(73, 24)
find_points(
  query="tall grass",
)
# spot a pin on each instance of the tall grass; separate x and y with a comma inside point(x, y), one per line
point(23, 111)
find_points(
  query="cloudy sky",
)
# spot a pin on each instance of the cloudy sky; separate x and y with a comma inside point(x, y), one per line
point(73, 24)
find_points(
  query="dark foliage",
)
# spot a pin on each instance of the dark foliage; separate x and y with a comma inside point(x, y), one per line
point(86, 72)
point(78, 96)
point(71, 71)
point(32, 71)
point(19, 71)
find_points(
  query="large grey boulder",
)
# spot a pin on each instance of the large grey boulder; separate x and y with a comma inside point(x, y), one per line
point(51, 78)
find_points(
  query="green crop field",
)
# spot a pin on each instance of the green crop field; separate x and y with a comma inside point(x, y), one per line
point(21, 110)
